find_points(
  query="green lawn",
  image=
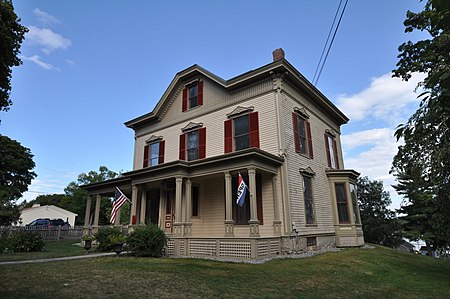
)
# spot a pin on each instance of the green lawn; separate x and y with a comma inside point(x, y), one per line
point(351, 273)
point(51, 249)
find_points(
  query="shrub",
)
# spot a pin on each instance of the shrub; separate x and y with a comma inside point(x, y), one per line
point(23, 241)
point(105, 237)
point(147, 241)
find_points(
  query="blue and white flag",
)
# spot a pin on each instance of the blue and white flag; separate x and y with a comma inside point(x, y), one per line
point(241, 191)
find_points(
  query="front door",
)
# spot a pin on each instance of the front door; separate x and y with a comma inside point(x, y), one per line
point(170, 211)
point(152, 207)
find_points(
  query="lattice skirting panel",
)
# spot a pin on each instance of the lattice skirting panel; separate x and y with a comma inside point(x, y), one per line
point(170, 248)
point(202, 247)
point(241, 249)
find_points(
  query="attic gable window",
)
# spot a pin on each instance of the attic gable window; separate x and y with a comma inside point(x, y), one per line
point(192, 95)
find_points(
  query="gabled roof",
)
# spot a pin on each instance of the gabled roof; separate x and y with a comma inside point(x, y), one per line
point(280, 67)
point(46, 207)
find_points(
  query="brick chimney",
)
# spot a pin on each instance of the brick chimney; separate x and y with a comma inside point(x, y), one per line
point(278, 54)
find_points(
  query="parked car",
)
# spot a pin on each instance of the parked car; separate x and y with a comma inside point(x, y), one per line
point(40, 222)
point(46, 222)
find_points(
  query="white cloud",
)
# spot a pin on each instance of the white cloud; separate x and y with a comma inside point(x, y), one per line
point(386, 98)
point(37, 60)
point(45, 18)
point(374, 162)
point(48, 39)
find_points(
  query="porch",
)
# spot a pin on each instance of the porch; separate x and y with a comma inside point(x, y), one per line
point(194, 203)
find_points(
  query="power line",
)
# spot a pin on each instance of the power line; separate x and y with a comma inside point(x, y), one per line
point(332, 40)
point(326, 43)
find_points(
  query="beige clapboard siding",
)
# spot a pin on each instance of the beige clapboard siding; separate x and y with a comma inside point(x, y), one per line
point(318, 164)
point(214, 124)
point(210, 222)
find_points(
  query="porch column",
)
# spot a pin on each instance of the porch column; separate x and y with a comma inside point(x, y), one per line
point(229, 223)
point(188, 212)
point(177, 226)
point(87, 214)
point(134, 195)
point(97, 209)
point(276, 209)
point(143, 206)
point(254, 222)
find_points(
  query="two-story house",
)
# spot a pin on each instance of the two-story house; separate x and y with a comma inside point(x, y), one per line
point(272, 126)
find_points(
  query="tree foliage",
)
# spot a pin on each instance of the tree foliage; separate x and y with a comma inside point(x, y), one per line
point(16, 165)
point(11, 37)
point(380, 225)
point(422, 164)
point(79, 195)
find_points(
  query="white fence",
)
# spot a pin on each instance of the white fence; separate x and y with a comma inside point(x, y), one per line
point(48, 233)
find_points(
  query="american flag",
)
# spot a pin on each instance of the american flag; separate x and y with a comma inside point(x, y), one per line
point(119, 200)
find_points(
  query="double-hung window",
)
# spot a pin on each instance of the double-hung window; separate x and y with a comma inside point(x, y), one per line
point(309, 202)
point(354, 196)
point(332, 153)
point(242, 132)
point(154, 153)
point(192, 95)
point(302, 133)
point(193, 145)
point(342, 203)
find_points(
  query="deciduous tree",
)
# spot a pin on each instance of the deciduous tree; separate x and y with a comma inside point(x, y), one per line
point(422, 164)
point(380, 225)
point(16, 165)
point(11, 37)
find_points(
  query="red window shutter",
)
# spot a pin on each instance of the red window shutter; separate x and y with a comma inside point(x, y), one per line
point(327, 150)
point(228, 136)
point(336, 153)
point(254, 129)
point(308, 134)
point(182, 147)
point(259, 203)
point(200, 93)
point(146, 149)
point(184, 102)
point(161, 152)
point(202, 143)
point(296, 133)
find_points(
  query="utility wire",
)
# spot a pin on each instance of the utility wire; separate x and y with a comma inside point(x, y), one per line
point(326, 43)
point(331, 43)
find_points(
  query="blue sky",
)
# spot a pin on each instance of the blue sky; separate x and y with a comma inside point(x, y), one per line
point(89, 66)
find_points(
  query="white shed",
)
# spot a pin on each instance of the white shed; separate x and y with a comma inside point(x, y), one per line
point(48, 211)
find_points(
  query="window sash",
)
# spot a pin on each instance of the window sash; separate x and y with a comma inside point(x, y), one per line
point(342, 204)
point(154, 154)
point(241, 132)
point(332, 152)
point(302, 136)
point(193, 96)
point(195, 201)
point(192, 145)
point(353, 194)
point(308, 198)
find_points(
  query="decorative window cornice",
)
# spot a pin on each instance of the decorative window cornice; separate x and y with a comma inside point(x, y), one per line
point(189, 83)
point(307, 171)
point(153, 138)
point(240, 110)
point(192, 126)
point(331, 132)
point(301, 111)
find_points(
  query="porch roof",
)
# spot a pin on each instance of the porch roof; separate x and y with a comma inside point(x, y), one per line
point(248, 158)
